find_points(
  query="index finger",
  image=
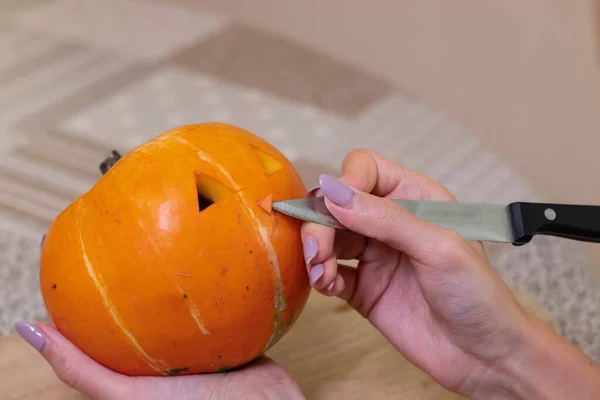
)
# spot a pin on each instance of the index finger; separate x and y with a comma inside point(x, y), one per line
point(370, 172)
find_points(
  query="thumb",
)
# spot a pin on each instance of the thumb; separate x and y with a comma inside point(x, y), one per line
point(388, 222)
point(72, 366)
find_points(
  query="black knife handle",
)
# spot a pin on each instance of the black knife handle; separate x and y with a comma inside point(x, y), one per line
point(570, 221)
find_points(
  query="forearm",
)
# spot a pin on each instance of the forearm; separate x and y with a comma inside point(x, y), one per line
point(546, 367)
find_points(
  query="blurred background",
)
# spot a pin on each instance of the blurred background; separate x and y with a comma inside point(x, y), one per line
point(500, 101)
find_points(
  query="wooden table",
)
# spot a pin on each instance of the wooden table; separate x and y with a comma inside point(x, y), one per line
point(332, 351)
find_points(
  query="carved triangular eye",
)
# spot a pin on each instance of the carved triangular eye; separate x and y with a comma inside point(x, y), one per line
point(270, 165)
point(210, 190)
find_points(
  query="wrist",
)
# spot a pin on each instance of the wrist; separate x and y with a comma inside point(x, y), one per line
point(542, 365)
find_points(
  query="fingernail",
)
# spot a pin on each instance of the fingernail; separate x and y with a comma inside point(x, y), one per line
point(311, 247)
point(330, 286)
point(316, 272)
point(315, 192)
point(31, 334)
point(335, 190)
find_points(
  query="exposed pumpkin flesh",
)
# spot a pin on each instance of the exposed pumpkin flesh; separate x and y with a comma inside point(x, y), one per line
point(266, 204)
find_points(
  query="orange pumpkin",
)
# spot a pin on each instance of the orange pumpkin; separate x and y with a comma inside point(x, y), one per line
point(173, 263)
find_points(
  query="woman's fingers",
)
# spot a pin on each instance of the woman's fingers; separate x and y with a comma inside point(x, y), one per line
point(323, 246)
point(321, 261)
point(367, 172)
point(320, 242)
point(73, 367)
point(371, 173)
point(387, 222)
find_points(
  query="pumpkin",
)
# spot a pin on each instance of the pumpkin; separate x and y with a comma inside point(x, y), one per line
point(173, 262)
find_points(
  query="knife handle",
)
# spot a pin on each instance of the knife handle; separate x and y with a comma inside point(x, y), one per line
point(577, 222)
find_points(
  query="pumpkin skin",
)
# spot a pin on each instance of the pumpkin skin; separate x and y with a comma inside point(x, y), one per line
point(143, 280)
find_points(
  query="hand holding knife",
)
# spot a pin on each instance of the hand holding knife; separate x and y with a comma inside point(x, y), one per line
point(515, 223)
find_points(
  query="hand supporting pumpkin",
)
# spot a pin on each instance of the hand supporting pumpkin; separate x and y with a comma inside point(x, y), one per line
point(263, 379)
point(434, 295)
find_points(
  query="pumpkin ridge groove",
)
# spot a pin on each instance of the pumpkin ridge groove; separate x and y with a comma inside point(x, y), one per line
point(152, 362)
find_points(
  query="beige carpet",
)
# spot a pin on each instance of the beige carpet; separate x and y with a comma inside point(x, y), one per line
point(81, 77)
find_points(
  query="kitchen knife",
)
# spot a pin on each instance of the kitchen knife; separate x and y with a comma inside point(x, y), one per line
point(515, 223)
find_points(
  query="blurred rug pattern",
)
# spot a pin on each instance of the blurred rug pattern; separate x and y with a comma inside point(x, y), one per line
point(79, 78)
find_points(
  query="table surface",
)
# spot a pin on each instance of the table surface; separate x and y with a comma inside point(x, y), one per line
point(332, 351)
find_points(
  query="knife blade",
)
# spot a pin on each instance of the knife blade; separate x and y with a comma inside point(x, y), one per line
point(515, 223)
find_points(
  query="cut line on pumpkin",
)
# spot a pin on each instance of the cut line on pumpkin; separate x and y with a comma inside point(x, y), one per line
point(157, 365)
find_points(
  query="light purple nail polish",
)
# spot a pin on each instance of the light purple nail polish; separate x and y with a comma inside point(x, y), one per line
point(311, 247)
point(314, 192)
point(316, 272)
point(31, 334)
point(335, 190)
point(330, 286)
